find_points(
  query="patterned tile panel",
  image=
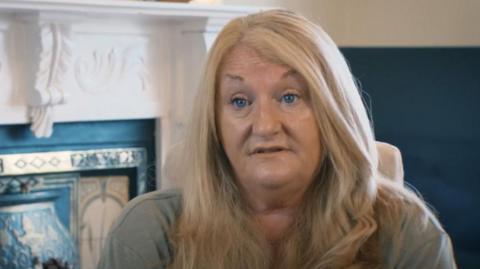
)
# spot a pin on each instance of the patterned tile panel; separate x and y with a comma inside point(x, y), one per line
point(69, 161)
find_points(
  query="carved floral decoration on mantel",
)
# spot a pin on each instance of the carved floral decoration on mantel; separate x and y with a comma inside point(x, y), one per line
point(51, 64)
point(94, 73)
point(100, 70)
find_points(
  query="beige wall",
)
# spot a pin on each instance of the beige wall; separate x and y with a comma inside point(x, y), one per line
point(409, 22)
point(305, 7)
point(390, 22)
point(323, 12)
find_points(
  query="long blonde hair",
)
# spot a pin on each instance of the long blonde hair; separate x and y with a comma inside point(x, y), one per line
point(347, 206)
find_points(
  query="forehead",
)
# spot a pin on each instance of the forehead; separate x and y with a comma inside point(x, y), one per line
point(243, 58)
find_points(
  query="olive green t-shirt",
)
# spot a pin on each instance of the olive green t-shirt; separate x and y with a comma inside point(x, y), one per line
point(139, 239)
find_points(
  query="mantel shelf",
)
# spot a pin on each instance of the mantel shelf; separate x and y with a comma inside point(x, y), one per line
point(126, 7)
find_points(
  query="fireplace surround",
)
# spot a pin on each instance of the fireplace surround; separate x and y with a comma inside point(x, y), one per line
point(92, 96)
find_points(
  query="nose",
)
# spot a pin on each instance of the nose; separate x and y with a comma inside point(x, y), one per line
point(267, 120)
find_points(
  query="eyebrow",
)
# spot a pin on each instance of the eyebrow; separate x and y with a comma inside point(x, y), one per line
point(234, 77)
point(290, 72)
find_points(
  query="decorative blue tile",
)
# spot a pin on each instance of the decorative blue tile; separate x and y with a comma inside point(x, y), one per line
point(31, 232)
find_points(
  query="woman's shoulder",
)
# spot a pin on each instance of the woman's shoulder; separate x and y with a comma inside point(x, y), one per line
point(140, 236)
point(415, 238)
point(157, 206)
point(414, 223)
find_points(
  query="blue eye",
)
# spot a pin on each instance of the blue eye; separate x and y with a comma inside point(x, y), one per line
point(238, 102)
point(289, 98)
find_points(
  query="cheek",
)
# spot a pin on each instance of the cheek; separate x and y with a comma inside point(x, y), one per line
point(308, 135)
point(231, 132)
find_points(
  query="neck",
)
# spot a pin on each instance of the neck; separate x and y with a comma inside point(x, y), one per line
point(263, 200)
point(274, 210)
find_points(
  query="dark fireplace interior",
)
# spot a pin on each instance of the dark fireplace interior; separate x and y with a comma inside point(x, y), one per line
point(426, 101)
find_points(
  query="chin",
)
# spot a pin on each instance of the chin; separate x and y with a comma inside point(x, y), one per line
point(273, 181)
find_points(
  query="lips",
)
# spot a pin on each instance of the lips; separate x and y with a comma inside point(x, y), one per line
point(269, 149)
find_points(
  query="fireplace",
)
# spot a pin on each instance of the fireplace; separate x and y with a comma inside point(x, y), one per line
point(92, 96)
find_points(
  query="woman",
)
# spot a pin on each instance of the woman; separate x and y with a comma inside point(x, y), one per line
point(280, 169)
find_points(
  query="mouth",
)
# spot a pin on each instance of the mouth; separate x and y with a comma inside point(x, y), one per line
point(268, 150)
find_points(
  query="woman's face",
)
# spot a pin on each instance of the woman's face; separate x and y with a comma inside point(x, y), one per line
point(266, 123)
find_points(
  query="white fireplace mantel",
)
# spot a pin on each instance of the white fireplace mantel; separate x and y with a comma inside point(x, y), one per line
point(94, 60)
